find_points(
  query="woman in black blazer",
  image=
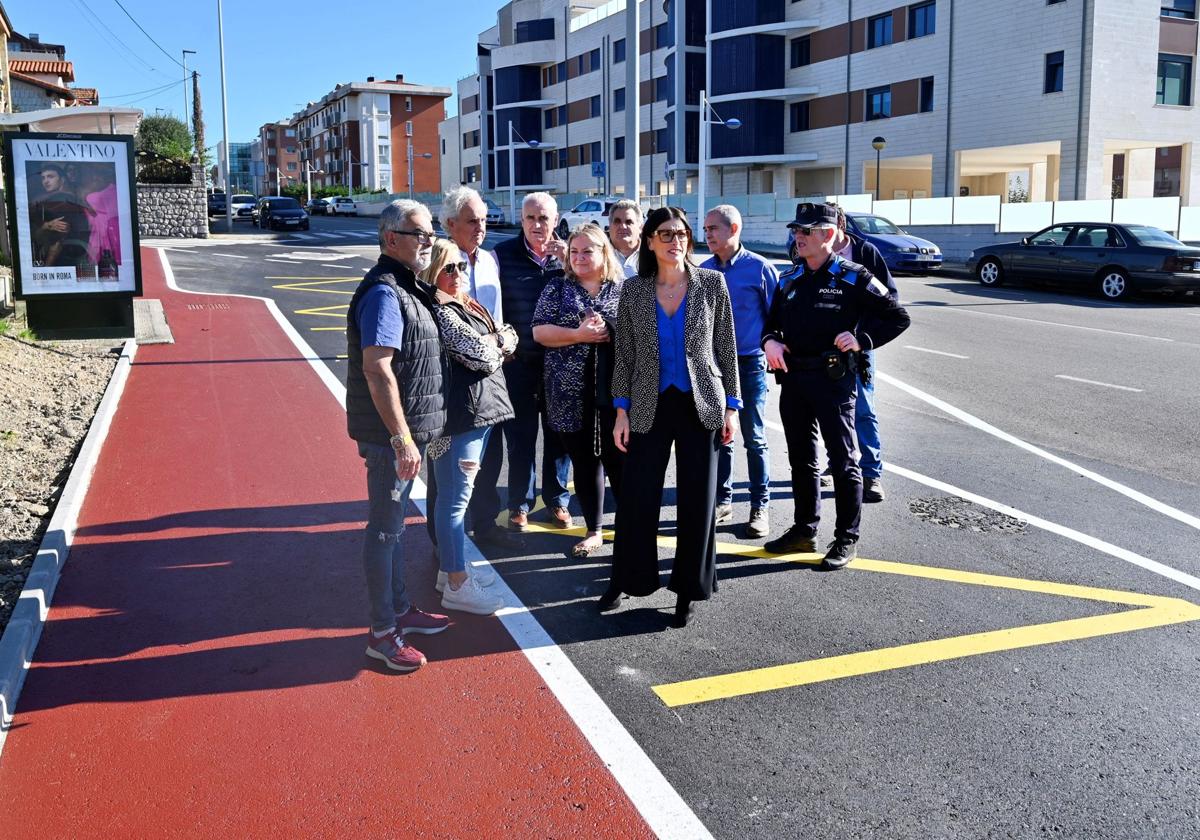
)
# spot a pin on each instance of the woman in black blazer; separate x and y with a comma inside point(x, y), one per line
point(675, 382)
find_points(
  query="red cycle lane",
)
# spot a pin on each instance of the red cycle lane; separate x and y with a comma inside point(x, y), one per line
point(202, 671)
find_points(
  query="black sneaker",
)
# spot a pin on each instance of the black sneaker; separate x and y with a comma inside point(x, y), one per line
point(792, 541)
point(872, 490)
point(841, 552)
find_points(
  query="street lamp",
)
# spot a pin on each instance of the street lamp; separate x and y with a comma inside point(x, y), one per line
point(512, 171)
point(425, 155)
point(308, 173)
point(877, 144)
point(705, 122)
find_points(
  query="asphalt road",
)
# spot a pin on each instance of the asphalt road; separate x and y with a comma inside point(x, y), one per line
point(1018, 655)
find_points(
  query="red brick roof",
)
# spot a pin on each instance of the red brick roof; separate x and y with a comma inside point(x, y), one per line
point(86, 96)
point(54, 68)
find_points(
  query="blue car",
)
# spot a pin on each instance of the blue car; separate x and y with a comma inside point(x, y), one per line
point(901, 251)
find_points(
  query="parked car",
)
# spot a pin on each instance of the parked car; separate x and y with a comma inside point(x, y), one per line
point(317, 206)
point(594, 210)
point(1116, 260)
point(217, 202)
point(243, 206)
point(342, 205)
point(900, 250)
point(495, 213)
point(276, 212)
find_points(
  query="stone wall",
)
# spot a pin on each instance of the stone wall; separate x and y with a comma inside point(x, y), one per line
point(174, 210)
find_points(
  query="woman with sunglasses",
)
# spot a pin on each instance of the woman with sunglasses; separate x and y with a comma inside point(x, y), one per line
point(476, 401)
point(675, 383)
point(574, 321)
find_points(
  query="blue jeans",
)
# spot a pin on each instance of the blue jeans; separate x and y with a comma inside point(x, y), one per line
point(866, 425)
point(752, 374)
point(455, 485)
point(383, 554)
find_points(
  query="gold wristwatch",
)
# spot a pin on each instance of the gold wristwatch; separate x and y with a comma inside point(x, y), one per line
point(397, 441)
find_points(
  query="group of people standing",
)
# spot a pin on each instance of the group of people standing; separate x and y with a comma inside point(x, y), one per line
point(620, 349)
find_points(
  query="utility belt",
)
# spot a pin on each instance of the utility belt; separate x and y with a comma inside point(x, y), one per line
point(834, 363)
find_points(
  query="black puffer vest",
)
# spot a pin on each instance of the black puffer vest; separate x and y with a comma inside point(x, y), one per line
point(474, 398)
point(521, 284)
point(419, 366)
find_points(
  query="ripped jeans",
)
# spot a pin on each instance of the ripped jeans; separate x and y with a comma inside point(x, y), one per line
point(383, 553)
point(456, 470)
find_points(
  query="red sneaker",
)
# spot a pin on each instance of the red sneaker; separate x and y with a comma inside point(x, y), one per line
point(393, 651)
point(419, 621)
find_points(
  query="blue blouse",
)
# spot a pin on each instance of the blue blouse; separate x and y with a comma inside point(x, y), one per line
point(672, 358)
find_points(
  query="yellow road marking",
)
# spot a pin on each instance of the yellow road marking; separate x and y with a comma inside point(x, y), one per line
point(318, 280)
point(338, 311)
point(327, 329)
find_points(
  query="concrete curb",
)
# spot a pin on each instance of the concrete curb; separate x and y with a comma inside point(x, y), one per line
point(33, 606)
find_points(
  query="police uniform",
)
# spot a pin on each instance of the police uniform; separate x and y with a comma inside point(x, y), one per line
point(819, 388)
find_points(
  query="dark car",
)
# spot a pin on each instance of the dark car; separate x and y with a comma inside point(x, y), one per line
point(1115, 260)
point(217, 202)
point(280, 212)
point(317, 206)
point(900, 250)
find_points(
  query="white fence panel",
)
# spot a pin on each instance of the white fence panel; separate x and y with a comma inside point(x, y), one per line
point(1026, 217)
point(894, 210)
point(1094, 210)
point(785, 209)
point(762, 204)
point(1189, 224)
point(977, 210)
point(1161, 213)
point(931, 211)
point(857, 203)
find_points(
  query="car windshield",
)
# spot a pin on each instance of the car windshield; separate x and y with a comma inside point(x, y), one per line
point(1151, 236)
point(243, 199)
point(284, 204)
point(876, 224)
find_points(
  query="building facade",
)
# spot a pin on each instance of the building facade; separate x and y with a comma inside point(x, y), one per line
point(1078, 98)
point(280, 145)
point(241, 173)
point(365, 134)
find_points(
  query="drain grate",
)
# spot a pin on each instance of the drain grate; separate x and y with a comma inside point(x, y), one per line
point(200, 306)
point(955, 512)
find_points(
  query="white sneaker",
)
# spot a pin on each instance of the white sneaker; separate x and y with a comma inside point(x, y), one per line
point(471, 598)
point(482, 575)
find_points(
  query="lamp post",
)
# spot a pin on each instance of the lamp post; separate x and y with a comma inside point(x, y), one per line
point(224, 112)
point(308, 173)
point(512, 171)
point(877, 144)
point(186, 53)
point(705, 123)
point(425, 155)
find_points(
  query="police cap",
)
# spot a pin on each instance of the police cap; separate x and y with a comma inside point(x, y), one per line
point(810, 214)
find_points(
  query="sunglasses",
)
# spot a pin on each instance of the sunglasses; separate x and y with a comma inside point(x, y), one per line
point(805, 231)
point(453, 269)
point(667, 236)
point(424, 237)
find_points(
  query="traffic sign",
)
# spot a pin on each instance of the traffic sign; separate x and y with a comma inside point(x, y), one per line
point(598, 169)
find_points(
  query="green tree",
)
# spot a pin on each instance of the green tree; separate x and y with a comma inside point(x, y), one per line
point(167, 136)
point(1017, 193)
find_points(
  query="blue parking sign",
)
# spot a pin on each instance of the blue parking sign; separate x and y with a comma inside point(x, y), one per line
point(598, 169)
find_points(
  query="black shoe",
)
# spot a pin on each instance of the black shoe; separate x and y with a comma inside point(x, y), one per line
point(841, 551)
point(610, 600)
point(498, 537)
point(872, 490)
point(683, 611)
point(793, 540)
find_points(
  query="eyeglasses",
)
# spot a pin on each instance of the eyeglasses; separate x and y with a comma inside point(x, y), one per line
point(668, 236)
point(424, 237)
point(454, 268)
point(806, 231)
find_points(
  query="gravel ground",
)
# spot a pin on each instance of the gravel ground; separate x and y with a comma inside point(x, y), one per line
point(49, 391)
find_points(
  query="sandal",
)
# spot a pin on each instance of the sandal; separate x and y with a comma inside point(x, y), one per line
point(585, 547)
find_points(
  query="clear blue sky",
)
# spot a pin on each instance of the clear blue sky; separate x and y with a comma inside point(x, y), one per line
point(278, 56)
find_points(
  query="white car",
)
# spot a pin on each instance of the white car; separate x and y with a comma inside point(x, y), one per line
point(593, 210)
point(495, 213)
point(243, 206)
point(342, 206)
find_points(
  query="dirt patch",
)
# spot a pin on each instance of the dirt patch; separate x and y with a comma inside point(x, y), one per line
point(955, 512)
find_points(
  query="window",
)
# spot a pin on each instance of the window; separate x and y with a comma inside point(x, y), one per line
point(562, 158)
point(925, 100)
point(801, 52)
point(551, 161)
point(618, 51)
point(408, 129)
point(443, 145)
point(879, 31)
point(548, 118)
point(798, 116)
point(1174, 80)
point(594, 106)
point(291, 150)
point(408, 103)
point(661, 88)
point(662, 140)
point(597, 154)
point(618, 148)
point(1054, 236)
point(385, 152)
point(619, 99)
point(291, 132)
point(662, 36)
point(594, 60)
point(291, 167)
point(533, 30)
point(1054, 73)
point(879, 103)
point(1179, 9)
point(921, 19)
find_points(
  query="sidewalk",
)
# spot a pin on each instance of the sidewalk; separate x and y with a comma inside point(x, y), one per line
point(202, 670)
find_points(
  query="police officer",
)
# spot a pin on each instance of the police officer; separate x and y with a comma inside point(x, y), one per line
point(827, 310)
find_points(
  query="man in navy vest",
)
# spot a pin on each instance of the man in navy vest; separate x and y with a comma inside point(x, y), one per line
point(395, 405)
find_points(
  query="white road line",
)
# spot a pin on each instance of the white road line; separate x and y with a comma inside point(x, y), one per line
point(1094, 382)
point(331, 265)
point(660, 805)
point(232, 256)
point(285, 262)
point(972, 420)
point(1047, 323)
point(362, 233)
point(936, 352)
point(330, 235)
point(305, 236)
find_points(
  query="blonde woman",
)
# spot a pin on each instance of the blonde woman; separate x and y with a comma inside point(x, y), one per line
point(574, 320)
point(476, 401)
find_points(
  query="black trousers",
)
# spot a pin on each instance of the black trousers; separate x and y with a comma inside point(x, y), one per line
point(635, 553)
point(808, 401)
point(485, 500)
point(590, 468)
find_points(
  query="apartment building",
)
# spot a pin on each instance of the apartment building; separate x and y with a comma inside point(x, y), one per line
point(240, 178)
point(364, 135)
point(1078, 98)
point(281, 156)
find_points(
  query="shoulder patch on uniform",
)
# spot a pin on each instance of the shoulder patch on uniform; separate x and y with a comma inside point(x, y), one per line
point(876, 288)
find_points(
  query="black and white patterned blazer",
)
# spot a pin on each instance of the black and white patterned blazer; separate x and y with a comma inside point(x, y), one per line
point(709, 344)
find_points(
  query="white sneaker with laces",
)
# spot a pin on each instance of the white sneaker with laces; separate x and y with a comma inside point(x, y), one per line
point(470, 597)
point(483, 575)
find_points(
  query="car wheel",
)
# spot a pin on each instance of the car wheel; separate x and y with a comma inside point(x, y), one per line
point(1114, 284)
point(990, 272)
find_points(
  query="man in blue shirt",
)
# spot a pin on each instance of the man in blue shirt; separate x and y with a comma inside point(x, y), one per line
point(752, 281)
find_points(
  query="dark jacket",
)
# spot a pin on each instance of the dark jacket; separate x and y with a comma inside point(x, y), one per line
point(868, 256)
point(419, 366)
point(477, 395)
point(521, 284)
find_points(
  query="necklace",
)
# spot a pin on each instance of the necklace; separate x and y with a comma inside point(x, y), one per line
point(669, 291)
